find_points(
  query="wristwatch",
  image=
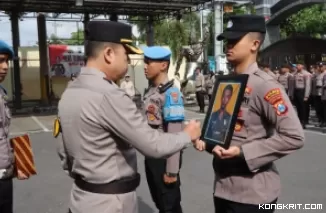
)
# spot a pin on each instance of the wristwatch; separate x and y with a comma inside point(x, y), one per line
point(171, 174)
point(241, 152)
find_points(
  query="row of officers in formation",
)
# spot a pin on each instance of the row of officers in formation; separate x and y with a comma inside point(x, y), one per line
point(305, 88)
point(99, 128)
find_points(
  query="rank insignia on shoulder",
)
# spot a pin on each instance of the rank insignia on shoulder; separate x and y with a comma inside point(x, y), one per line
point(281, 108)
point(56, 127)
point(273, 96)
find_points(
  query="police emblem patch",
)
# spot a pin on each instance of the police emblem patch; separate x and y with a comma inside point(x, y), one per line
point(151, 109)
point(248, 90)
point(175, 96)
point(237, 127)
point(280, 108)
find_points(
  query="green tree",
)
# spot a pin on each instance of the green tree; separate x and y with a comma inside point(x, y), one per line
point(76, 38)
point(170, 32)
point(310, 21)
point(53, 39)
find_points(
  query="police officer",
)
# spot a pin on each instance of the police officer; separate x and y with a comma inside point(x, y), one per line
point(200, 89)
point(317, 90)
point(285, 78)
point(267, 69)
point(323, 95)
point(6, 152)
point(267, 128)
point(164, 111)
point(302, 91)
point(210, 85)
point(102, 128)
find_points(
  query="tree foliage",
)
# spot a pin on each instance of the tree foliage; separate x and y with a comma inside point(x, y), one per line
point(310, 21)
point(170, 32)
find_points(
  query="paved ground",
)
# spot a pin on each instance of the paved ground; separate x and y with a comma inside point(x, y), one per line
point(303, 175)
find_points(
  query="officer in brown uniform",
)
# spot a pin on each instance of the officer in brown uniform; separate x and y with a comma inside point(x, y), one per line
point(268, 70)
point(317, 90)
point(200, 89)
point(6, 154)
point(267, 128)
point(285, 78)
point(210, 85)
point(164, 111)
point(301, 93)
point(323, 97)
point(102, 128)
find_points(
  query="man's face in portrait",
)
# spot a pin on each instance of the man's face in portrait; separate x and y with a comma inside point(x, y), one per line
point(227, 94)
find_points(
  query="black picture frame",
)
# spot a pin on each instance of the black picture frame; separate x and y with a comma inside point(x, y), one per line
point(223, 138)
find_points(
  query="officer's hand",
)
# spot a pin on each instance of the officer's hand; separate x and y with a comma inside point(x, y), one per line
point(193, 129)
point(305, 99)
point(21, 175)
point(220, 152)
point(200, 145)
point(169, 180)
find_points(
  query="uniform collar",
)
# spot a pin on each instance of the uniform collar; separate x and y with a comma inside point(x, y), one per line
point(252, 68)
point(92, 71)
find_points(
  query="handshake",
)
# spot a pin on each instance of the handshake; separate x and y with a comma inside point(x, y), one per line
point(194, 131)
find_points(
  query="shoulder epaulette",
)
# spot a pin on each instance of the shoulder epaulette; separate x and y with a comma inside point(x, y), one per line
point(164, 87)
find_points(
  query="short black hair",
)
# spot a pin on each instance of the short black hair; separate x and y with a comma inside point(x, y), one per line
point(228, 87)
point(92, 48)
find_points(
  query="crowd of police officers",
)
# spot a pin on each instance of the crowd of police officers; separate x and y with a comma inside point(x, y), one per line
point(305, 87)
point(101, 128)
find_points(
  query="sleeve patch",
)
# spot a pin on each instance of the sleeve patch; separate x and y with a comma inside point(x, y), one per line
point(281, 108)
point(273, 96)
point(175, 96)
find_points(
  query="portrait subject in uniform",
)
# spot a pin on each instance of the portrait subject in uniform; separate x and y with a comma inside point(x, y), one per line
point(223, 107)
point(267, 127)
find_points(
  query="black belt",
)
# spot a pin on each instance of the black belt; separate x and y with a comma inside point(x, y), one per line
point(122, 186)
point(198, 86)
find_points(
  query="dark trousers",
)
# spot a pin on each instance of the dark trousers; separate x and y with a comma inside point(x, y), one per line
point(319, 108)
point(308, 105)
point(300, 104)
point(167, 198)
point(6, 196)
point(226, 206)
point(200, 96)
point(323, 111)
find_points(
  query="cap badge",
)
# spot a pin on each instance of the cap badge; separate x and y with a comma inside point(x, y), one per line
point(229, 24)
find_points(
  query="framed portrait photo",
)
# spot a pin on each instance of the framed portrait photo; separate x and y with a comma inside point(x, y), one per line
point(223, 110)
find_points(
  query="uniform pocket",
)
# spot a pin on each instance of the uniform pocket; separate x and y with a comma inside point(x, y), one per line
point(240, 129)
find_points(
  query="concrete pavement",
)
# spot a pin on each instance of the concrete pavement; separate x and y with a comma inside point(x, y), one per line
point(303, 176)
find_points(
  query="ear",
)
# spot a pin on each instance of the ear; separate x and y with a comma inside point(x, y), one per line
point(108, 54)
point(164, 65)
point(255, 45)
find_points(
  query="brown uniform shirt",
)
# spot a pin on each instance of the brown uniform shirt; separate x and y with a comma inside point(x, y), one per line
point(101, 130)
point(272, 74)
point(154, 102)
point(267, 129)
point(200, 82)
point(302, 80)
point(6, 152)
